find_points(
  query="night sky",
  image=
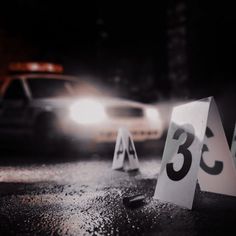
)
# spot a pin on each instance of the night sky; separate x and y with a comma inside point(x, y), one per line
point(80, 31)
point(117, 38)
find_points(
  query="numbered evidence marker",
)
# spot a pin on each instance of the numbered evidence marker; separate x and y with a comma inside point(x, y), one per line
point(125, 145)
point(196, 148)
point(233, 146)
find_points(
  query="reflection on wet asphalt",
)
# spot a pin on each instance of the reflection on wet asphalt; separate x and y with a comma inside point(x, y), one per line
point(84, 197)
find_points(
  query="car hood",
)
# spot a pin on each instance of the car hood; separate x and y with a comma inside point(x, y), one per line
point(67, 102)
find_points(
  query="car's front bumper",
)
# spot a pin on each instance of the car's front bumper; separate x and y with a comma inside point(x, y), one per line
point(141, 130)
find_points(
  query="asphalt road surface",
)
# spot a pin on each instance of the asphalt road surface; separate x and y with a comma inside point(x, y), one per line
point(84, 196)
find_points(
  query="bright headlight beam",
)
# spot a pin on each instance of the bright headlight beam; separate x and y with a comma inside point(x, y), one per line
point(87, 111)
point(152, 113)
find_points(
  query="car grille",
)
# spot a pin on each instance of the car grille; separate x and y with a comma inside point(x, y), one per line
point(126, 112)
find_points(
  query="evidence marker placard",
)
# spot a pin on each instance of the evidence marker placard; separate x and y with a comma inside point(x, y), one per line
point(181, 158)
point(217, 173)
point(196, 148)
point(125, 146)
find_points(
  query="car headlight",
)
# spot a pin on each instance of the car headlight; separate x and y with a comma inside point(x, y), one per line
point(87, 111)
point(152, 113)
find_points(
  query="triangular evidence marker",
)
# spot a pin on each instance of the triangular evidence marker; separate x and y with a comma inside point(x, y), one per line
point(195, 149)
point(125, 145)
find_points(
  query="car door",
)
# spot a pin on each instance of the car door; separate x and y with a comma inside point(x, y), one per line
point(14, 105)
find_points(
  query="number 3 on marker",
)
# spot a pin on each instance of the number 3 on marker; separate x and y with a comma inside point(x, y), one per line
point(218, 166)
point(183, 149)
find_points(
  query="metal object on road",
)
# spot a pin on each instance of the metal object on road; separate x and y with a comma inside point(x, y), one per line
point(134, 201)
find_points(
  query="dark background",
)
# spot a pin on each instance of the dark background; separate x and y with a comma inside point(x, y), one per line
point(153, 51)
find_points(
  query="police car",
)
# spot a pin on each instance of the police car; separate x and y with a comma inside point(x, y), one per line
point(41, 105)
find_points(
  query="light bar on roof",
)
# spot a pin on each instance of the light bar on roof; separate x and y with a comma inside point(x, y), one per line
point(35, 67)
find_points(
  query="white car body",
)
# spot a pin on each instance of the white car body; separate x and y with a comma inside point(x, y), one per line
point(19, 116)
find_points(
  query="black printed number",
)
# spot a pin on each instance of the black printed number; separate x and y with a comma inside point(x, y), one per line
point(131, 149)
point(218, 166)
point(183, 149)
point(120, 149)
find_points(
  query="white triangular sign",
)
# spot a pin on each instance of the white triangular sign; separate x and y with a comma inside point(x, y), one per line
point(216, 173)
point(195, 139)
point(125, 145)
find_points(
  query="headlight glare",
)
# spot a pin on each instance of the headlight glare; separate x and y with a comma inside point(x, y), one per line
point(152, 113)
point(87, 111)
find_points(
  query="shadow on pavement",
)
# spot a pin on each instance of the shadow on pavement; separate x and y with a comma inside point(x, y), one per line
point(22, 155)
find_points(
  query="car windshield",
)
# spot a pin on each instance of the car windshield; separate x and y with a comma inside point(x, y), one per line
point(50, 88)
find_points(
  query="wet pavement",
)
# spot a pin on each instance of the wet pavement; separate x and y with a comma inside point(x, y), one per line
point(85, 197)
